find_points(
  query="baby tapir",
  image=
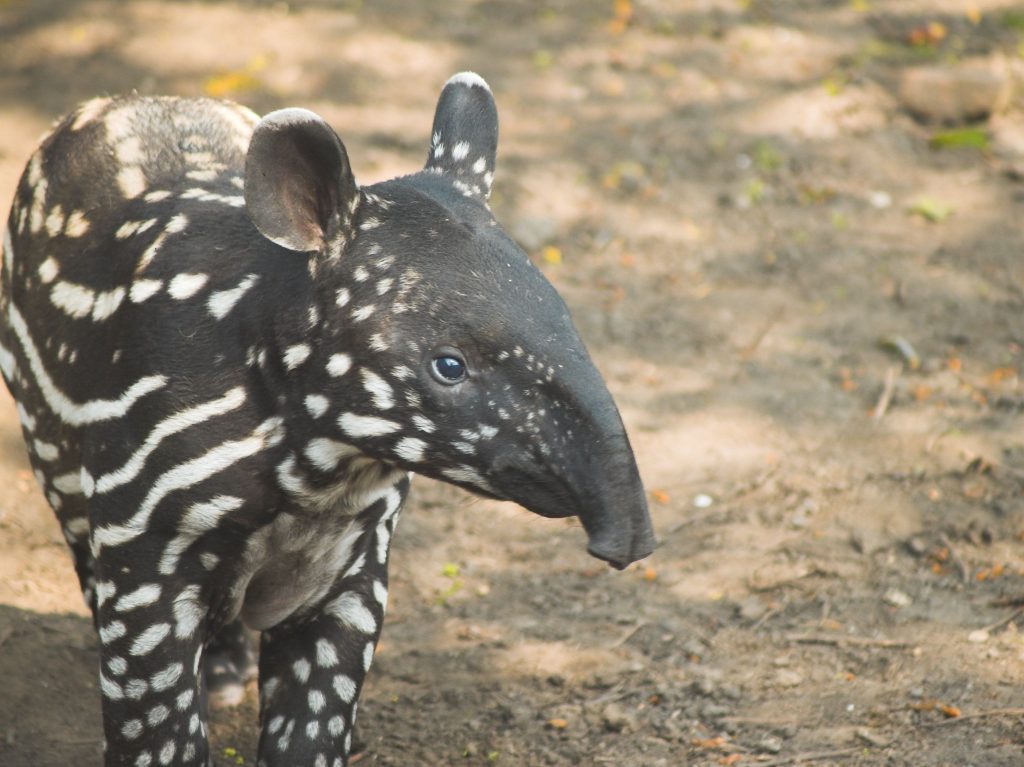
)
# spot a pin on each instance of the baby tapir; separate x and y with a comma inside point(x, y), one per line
point(227, 357)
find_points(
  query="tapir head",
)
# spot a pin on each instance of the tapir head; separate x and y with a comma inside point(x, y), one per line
point(449, 353)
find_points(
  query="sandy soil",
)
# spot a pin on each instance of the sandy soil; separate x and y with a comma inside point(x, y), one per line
point(722, 190)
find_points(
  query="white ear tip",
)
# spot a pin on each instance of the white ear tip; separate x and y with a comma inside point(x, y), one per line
point(468, 79)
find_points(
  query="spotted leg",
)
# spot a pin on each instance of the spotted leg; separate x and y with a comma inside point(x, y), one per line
point(312, 667)
point(154, 709)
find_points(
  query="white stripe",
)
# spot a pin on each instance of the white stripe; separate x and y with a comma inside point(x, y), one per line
point(197, 520)
point(70, 412)
point(366, 425)
point(193, 416)
point(183, 476)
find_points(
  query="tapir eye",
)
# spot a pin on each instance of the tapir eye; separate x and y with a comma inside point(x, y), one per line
point(448, 368)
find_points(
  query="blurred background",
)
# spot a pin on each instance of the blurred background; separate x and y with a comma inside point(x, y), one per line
point(790, 233)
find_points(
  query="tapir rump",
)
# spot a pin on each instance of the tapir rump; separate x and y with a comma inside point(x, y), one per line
point(227, 359)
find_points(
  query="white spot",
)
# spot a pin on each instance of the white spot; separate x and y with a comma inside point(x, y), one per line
point(301, 670)
point(379, 389)
point(143, 289)
point(184, 700)
point(132, 729)
point(342, 297)
point(186, 285)
point(423, 423)
point(313, 730)
point(107, 303)
point(201, 175)
point(112, 632)
point(350, 610)
point(377, 343)
point(366, 425)
point(438, 150)
point(317, 701)
point(157, 196)
point(75, 300)
point(145, 759)
point(460, 150)
point(110, 688)
point(55, 221)
point(157, 714)
point(316, 404)
point(147, 641)
point(360, 274)
point(367, 657)
point(325, 453)
point(411, 449)
point(275, 724)
point(480, 165)
point(167, 678)
point(141, 597)
point(338, 365)
point(129, 151)
point(167, 752)
point(77, 224)
point(383, 286)
point(45, 450)
point(132, 181)
point(89, 111)
point(223, 301)
point(345, 687)
point(296, 355)
point(363, 312)
point(326, 654)
point(117, 665)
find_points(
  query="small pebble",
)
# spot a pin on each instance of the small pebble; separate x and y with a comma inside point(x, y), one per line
point(772, 744)
point(702, 500)
point(897, 598)
point(978, 636)
point(880, 199)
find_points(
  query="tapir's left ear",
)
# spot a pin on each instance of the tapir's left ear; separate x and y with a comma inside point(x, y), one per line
point(299, 187)
point(465, 135)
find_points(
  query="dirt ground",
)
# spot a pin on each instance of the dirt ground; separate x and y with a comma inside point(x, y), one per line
point(810, 312)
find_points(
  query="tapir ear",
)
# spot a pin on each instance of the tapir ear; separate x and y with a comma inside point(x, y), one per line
point(465, 135)
point(299, 187)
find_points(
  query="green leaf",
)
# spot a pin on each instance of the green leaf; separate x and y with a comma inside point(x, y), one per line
point(971, 138)
point(931, 209)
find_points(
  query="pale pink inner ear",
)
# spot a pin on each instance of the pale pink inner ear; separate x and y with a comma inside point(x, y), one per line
point(297, 179)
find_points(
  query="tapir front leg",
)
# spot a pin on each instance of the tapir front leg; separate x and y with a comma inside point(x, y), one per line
point(151, 646)
point(312, 666)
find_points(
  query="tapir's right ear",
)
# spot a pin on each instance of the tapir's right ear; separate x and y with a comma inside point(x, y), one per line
point(299, 187)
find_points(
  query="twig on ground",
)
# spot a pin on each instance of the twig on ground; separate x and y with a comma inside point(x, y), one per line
point(977, 715)
point(629, 634)
point(1000, 623)
point(811, 757)
point(748, 351)
point(839, 641)
point(886, 396)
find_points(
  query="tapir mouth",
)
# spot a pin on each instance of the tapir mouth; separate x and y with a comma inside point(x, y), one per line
point(618, 529)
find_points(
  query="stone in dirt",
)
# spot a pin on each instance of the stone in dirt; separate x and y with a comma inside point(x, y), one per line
point(955, 94)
